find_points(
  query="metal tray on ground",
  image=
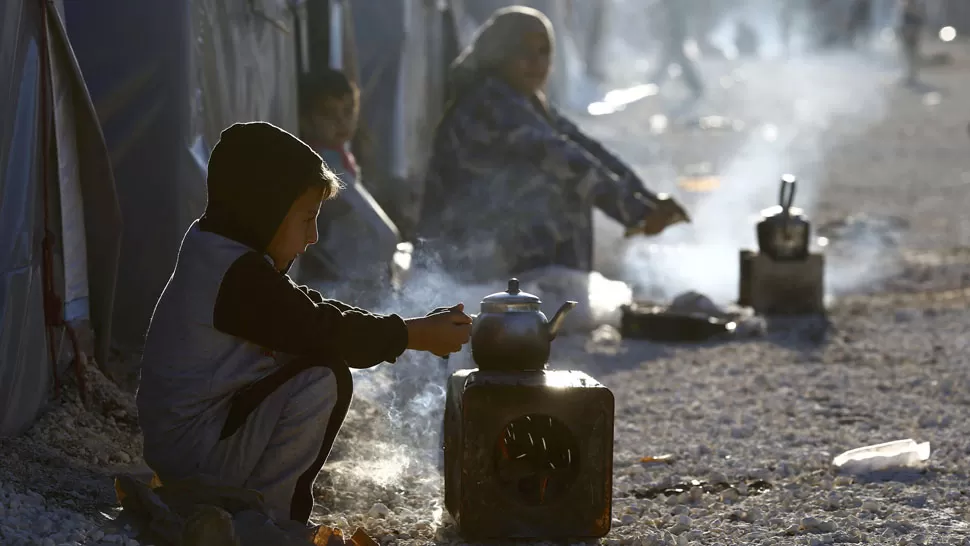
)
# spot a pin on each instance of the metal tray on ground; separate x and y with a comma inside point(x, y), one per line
point(656, 323)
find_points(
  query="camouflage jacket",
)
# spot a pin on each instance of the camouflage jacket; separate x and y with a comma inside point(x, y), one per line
point(511, 188)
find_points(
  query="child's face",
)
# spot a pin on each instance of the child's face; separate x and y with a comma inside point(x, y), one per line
point(298, 230)
point(334, 120)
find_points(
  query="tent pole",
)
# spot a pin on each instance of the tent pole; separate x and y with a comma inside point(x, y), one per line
point(53, 307)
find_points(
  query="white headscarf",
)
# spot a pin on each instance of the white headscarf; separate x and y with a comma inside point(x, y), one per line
point(498, 39)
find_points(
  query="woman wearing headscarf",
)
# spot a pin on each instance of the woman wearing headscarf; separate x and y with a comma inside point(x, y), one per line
point(511, 182)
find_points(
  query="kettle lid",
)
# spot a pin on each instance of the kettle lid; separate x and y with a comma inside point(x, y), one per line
point(778, 210)
point(511, 299)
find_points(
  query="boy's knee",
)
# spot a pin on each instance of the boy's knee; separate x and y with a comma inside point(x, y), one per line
point(323, 387)
point(315, 386)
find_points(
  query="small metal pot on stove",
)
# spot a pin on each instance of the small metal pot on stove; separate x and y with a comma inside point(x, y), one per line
point(511, 333)
point(783, 232)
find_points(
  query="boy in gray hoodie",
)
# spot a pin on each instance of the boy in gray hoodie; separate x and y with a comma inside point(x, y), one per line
point(245, 375)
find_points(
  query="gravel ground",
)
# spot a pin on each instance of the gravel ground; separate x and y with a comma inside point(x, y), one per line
point(765, 415)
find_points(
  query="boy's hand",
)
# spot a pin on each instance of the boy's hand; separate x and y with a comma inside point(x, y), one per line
point(441, 333)
point(437, 310)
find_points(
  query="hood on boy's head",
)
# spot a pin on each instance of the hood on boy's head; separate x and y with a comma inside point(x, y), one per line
point(256, 172)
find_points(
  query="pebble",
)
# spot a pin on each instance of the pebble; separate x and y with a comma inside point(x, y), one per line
point(751, 516)
point(683, 524)
point(27, 518)
point(379, 510)
point(729, 495)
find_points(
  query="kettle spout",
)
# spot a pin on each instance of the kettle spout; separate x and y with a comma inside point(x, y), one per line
point(556, 323)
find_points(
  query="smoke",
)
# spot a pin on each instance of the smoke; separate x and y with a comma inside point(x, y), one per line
point(410, 393)
point(797, 111)
point(405, 446)
point(867, 250)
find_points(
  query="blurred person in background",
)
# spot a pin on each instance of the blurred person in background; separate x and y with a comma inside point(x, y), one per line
point(675, 13)
point(860, 23)
point(511, 182)
point(912, 19)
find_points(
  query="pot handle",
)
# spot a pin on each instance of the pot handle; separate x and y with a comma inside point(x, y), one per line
point(786, 193)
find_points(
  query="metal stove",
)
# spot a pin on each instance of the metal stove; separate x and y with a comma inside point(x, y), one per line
point(528, 451)
point(528, 454)
point(784, 276)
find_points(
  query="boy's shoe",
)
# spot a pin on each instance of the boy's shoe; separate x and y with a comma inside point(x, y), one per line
point(209, 526)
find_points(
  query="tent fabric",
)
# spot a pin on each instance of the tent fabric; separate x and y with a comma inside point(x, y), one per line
point(166, 77)
point(401, 48)
point(84, 220)
point(94, 200)
point(24, 367)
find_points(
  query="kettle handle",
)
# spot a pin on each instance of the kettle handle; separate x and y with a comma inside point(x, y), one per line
point(786, 193)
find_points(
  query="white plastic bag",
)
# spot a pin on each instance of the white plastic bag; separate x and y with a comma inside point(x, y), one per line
point(890, 455)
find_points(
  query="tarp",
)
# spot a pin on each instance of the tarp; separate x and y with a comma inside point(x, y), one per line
point(166, 77)
point(402, 49)
point(357, 240)
point(52, 159)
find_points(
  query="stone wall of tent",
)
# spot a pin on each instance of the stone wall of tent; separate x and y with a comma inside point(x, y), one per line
point(166, 76)
point(60, 224)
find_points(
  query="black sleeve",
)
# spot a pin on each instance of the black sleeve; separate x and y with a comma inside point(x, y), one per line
point(317, 297)
point(263, 306)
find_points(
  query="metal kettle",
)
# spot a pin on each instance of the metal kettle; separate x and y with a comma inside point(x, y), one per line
point(511, 333)
point(784, 231)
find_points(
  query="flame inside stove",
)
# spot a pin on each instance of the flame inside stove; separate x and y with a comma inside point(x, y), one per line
point(536, 459)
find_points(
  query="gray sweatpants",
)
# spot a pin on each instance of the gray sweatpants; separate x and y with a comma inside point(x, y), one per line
point(279, 441)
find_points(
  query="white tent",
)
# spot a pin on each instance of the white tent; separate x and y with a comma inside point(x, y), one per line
point(60, 223)
point(166, 76)
point(400, 51)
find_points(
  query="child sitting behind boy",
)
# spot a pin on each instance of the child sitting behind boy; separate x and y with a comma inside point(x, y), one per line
point(329, 108)
point(245, 375)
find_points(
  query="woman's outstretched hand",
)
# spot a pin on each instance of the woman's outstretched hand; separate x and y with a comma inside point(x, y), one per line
point(667, 213)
